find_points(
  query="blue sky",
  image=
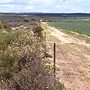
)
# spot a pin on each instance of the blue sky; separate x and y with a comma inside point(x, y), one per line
point(46, 6)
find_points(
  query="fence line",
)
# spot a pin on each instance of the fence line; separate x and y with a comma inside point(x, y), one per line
point(65, 58)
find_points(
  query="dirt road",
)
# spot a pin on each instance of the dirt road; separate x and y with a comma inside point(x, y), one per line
point(73, 57)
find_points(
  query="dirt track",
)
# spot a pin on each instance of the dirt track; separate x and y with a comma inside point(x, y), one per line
point(73, 57)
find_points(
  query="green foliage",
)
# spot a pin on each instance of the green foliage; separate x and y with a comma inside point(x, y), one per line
point(51, 66)
point(33, 19)
point(26, 20)
point(1, 25)
point(23, 49)
point(6, 75)
point(6, 38)
point(9, 65)
point(38, 30)
point(7, 27)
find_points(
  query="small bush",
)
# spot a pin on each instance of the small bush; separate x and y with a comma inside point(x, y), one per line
point(26, 20)
point(1, 25)
point(38, 30)
point(5, 39)
point(51, 66)
point(7, 27)
point(33, 19)
point(8, 64)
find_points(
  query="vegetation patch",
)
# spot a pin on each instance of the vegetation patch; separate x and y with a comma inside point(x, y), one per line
point(1, 25)
point(22, 64)
point(51, 66)
point(6, 38)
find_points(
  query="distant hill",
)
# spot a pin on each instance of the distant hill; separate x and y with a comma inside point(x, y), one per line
point(51, 14)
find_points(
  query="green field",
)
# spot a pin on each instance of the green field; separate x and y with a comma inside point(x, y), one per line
point(80, 25)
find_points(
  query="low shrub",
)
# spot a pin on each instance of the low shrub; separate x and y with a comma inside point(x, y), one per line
point(33, 19)
point(8, 64)
point(51, 66)
point(38, 30)
point(7, 27)
point(6, 38)
point(26, 20)
point(1, 25)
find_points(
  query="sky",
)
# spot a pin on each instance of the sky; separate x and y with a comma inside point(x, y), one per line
point(45, 6)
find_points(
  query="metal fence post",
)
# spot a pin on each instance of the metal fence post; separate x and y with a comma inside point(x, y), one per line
point(54, 58)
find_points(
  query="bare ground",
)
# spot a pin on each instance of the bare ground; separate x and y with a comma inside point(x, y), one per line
point(73, 57)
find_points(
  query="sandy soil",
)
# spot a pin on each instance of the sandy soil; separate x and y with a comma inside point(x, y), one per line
point(64, 38)
point(73, 57)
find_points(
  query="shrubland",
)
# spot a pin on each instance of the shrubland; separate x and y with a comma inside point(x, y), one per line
point(22, 62)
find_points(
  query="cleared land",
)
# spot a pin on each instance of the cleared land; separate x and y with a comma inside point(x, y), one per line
point(72, 56)
point(80, 25)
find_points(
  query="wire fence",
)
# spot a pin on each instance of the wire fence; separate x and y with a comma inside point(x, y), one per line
point(80, 84)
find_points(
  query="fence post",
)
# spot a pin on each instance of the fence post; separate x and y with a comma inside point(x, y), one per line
point(45, 38)
point(54, 58)
point(45, 43)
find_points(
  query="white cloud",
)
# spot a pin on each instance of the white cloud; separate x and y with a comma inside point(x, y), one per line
point(62, 7)
point(82, 0)
point(69, 8)
point(58, 6)
point(30, 7)
point(5, 1)
point(74, 1)
point(41, 2)
point(45, 5)
point(7, 5)
point(44, 2)
point(20, 2)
